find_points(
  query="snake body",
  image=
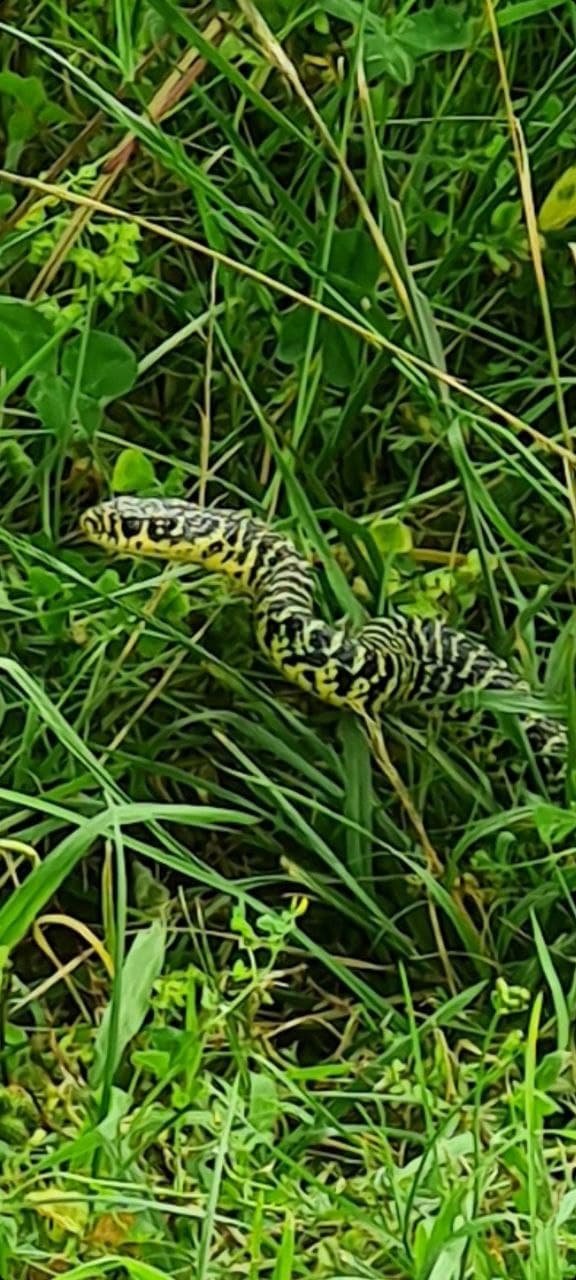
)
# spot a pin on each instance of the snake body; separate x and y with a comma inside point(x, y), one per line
point(390, 659)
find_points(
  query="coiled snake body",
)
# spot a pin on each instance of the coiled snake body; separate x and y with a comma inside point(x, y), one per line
point(389, 660)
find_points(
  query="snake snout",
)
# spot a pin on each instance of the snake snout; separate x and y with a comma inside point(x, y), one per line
point(90, 521)
point(100, 524)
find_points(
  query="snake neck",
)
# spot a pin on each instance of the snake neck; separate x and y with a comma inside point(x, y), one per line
point(262, 563)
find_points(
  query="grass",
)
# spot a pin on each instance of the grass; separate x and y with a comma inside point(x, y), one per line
point(279, 1001)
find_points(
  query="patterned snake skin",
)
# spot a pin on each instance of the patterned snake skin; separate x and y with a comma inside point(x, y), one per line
point(390, 660)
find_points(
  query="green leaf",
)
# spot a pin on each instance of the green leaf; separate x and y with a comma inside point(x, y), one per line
point(156, 1061)
point(109, 369)
point(51, 397)
point(566, 1208)
point(44, 584)
point(551, 1068)
point(133, 471)
point(20, 908)
point(293, 335)
point(21, 126)
point(126, 53)
point(175, 483)
point(552, 823)
point(556, 991)
point(23, 332)
point(440, 29)
point(387, 56)
point(559, 207)
point(342, 351)
point(284, 1265)
point(560, 659)
point(506, 216)
point(448, 1265)
point(27, 90)
point(264, 1105)
point(17, 462)
point(391, 536)
point(151, 646)
point(142, 967)
point(108, 582)
point(521, 10)
point(355, 258)
point(121, 1266)
point(52, 1203)
point(89, 413)
point(174, 605)
point(149, 892)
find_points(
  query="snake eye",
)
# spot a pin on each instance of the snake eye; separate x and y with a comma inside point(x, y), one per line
point(130, 528)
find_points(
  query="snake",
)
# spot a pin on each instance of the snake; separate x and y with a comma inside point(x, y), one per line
point(390, 660)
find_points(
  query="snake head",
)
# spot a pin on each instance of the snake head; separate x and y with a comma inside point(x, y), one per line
point(149, 526)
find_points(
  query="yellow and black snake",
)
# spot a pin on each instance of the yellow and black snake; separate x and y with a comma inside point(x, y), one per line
point(389, 660)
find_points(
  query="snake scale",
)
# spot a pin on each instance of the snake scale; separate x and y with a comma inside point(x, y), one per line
point(390, 660)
